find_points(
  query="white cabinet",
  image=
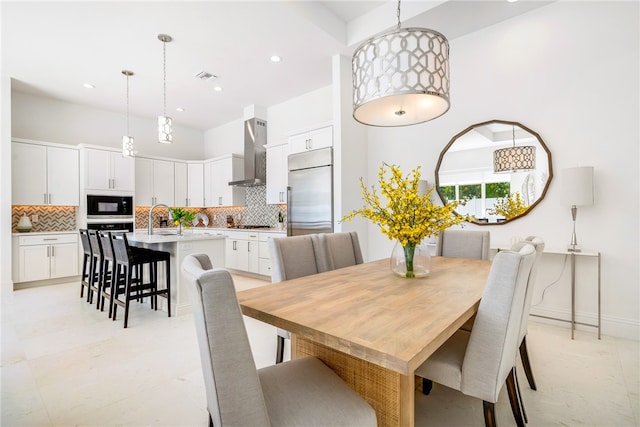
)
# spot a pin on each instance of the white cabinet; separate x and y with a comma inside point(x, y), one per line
point(264, 257)
point(181, 184)
point(45, 256)
point(277, 174)
point(154, 182)
point(242, 251)
point(44, 175)
point(107, 170)
point(222, 171)
point(312, 140)
point(195, 185)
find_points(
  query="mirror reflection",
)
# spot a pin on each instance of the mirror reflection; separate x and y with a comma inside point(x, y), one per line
point(499, 169)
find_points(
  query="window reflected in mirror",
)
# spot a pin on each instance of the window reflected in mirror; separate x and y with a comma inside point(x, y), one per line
point(492, 193)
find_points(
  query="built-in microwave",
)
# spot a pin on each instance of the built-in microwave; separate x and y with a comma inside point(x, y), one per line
point(105, 207)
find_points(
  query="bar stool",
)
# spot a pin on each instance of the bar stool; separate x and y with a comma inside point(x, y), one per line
point(109, 283)
point(127, 260)
point(100, 274)
point(87, 260)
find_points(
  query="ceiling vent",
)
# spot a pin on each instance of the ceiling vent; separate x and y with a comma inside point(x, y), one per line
point(206, 76)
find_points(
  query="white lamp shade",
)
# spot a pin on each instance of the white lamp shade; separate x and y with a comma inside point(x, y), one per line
point(578, 185)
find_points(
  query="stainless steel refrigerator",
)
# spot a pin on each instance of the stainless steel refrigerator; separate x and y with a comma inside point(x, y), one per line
point(310, 192)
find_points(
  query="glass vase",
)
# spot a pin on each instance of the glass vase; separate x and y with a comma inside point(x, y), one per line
point(412, 260)
point(179, 231)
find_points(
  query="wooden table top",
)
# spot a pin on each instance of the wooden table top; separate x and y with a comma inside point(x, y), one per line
point(369, 312)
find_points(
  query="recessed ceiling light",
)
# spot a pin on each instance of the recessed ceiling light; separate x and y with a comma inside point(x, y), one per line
point(180, 109)
point(275, 58)
point(89, 86)
point(217, 88)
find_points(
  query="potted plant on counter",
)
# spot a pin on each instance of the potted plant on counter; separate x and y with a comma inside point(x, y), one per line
point(181, 217)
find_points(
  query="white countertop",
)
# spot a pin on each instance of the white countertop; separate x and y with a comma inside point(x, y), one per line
point(40, 233)
point(163, 236)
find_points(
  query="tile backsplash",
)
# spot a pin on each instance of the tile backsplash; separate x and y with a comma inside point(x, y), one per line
point(50, 218)
point(256, 212)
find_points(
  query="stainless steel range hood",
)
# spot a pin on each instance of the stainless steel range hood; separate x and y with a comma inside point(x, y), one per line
point(255, 155)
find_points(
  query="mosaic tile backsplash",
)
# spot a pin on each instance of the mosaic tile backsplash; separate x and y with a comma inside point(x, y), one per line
point(50, 218)
point(257, 212)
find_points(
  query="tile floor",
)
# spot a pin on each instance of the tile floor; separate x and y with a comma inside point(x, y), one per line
point(66, 364)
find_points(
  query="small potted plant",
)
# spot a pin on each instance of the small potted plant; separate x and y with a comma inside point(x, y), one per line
point(280, 221)
point(181, 217)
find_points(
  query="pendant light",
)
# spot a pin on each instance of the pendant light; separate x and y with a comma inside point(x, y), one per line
point(401, 77)
point(127, 141)
point(514, 159)
point(165, 127)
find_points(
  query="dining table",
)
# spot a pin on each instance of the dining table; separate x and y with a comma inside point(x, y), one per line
point(371, 326)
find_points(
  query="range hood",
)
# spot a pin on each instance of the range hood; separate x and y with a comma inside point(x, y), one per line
point(255, 155)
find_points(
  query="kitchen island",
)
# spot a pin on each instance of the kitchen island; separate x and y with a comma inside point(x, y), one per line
point(211, 243)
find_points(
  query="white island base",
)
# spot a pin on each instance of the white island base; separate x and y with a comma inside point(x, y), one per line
point(180, 246)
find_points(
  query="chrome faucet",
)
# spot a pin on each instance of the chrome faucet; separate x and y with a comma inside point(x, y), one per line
point(150, 223)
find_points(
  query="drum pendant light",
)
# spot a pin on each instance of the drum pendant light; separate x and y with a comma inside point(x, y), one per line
point(165, 126)
point(401, 77)
point(127, 141)
point(514, 159)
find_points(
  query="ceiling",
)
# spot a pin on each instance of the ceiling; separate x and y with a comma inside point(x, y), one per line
point(52, 48)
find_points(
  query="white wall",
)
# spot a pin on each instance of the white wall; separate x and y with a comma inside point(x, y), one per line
point(51, 120)
point(569, 71)
point(225, 139)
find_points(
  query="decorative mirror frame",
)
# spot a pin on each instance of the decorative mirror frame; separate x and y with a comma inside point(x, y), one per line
point(505, 122)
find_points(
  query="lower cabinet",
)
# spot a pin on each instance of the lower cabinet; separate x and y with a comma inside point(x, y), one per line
point(45, 256)
point(248, 251)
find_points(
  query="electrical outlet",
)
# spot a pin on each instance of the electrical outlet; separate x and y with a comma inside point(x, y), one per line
point(34, 218)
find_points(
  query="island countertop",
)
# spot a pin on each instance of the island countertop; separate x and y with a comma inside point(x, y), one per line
point(170, 236)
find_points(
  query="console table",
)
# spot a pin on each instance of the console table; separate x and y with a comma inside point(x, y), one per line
point(572, 259)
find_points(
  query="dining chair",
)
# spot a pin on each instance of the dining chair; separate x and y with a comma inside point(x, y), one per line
point(479, 362)
point(341, 249)
point(538, 244)
point(301, 392)
point(293, 257)
point(464, 244)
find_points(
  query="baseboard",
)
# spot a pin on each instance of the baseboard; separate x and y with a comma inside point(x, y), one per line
point(38, 283)
point(610, 325)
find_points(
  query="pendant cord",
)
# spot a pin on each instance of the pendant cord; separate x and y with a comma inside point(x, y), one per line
point(164, 76)
point(128, 133)
point(398, 14)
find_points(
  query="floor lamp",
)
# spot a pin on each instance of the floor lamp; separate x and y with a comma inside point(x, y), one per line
point(578, 191)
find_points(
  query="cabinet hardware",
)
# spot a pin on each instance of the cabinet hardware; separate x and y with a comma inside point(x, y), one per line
point(53, 251)
point(51, 238)
point(48, 251)
point(220, 200)
point(45, 198)
point(234, 245)
point(49, 198)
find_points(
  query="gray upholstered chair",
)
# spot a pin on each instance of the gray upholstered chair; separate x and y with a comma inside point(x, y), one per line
point(293, 257)
point(464, 244)
point(296, 393)
point(341, 249)
point(479, 362)
point(538, 244)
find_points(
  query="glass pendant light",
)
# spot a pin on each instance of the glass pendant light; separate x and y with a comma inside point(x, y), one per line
point(165, 126)
point(127, 141)
point(401, 77)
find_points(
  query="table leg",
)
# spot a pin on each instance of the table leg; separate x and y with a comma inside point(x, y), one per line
point(389, 393)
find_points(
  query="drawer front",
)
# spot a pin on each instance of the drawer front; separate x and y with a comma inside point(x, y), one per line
point(48, 239)
point(237, 235)
point(266, 236)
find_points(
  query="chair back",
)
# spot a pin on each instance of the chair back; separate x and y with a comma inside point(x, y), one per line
point(96, 246)
point(107, 247)
point(296, 256)
point(493, 343)
point(341, 249)
point(464, 244)
point(121, 249)
point(86, 244)
point(234, 394)
point(538, 244)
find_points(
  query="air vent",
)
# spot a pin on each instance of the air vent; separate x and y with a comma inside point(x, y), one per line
point(205, 76)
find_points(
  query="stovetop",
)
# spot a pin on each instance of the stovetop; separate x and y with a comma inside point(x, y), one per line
point(249, 226)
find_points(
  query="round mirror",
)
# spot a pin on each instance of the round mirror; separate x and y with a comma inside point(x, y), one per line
point(498, 170)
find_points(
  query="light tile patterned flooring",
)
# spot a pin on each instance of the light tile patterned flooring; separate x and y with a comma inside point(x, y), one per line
point(64, 364)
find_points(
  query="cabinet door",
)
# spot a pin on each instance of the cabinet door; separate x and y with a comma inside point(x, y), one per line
point(277, 174)
point(144, 181)
point(28, 174)
point(64, 260)
point(34, 262)
point(163, 182)
point(237, 254)
point(122, 172)
point(216, 183)
point(181, 194)
point(320, 138)
point(224, 171)
point(63, 176)
point(97, 169)
point(196, 184)
point(298, 143)
point(253, 258)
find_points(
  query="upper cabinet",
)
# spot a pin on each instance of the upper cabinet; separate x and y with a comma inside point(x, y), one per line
point(154, 182)
point(196, 185)
point(312, 140)
point(180, 184)
point(44, 175)
point(107, 171)
point(277, 174)
point(219, 172)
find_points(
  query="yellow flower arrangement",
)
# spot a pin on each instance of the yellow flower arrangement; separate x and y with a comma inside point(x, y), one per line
point(182, 217)
point(509, 206)
point(407, 217)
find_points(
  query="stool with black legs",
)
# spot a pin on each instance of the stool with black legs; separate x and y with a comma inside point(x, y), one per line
point(129, 259)
point(100, 272)
point(109, 284)
point(87, 263)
